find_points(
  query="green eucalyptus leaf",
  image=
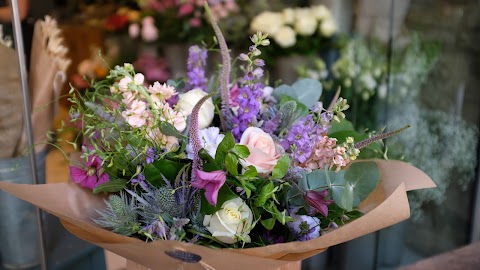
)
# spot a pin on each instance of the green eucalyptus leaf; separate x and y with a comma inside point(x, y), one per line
point(364, 178)
point(281, 168)
point(284, 90)
point(111, 186)
point(308, 91)
point(241, 151)
point(231, 162)
point(225, 145)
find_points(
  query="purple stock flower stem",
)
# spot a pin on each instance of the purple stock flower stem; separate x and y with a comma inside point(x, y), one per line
point(225, 75)
point(194, 135)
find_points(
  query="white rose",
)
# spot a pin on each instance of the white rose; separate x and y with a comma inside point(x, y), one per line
point(285, 37)
point(267, 22)
point(306, 25)
point(288, 15)
point(328, 27)
point(321, 12)
point(188, 100)
point(233, 220)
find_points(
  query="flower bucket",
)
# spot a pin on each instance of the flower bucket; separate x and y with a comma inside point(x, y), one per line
point(75, 206)
point(18, 222)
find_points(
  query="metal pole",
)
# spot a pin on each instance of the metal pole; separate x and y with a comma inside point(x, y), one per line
point(18, 37)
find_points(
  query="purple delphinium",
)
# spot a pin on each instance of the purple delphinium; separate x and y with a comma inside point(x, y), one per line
point(197, 60)
point(305, 227)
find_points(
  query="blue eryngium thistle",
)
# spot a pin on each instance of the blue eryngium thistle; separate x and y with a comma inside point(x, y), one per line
point(225, 74)
point(120, 216)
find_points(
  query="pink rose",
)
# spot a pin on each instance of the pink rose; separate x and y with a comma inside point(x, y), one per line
point(263, 151)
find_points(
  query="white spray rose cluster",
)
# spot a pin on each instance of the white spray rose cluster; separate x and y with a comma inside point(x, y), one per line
point(284, 26)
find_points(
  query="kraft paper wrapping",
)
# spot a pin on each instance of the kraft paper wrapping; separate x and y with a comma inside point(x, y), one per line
point(385, 206)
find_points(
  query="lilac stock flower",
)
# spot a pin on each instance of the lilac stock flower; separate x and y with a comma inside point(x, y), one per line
point(91, 175)
point(317, 200)
point(305, 227)
point(211, 182)
point(248, 100)
point(197, 60)
point(301, 138)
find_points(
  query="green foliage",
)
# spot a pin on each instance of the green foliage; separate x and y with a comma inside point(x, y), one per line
point(306, 91)
point(154, 172)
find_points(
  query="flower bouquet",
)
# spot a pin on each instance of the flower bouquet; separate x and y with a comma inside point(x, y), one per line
point(181, 176)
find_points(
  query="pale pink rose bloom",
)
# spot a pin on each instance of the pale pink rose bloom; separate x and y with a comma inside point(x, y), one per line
point(123, 84)
point(264, 153)
point(138, 79)
point(149, 31)
point(134, 30)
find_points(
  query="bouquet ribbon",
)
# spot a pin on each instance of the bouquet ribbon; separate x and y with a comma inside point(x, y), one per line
point(75, 206)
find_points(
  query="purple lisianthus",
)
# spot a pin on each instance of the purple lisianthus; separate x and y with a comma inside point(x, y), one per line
point(91, 175)
point(151, 155)
point(211, 182)
point(305, 227)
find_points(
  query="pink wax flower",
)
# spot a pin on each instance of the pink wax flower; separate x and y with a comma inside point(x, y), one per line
point(211, 182)
point(91, 175)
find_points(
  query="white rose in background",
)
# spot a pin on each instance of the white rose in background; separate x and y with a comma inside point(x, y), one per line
point(231, 222)
point(321, 12)
point(285, 37)
point(288, 15)
point(306, 25)
point(188, 100)
point(267, 22)
point(328, 27)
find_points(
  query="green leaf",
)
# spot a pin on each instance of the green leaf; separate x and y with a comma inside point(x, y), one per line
point(268, 223)
point(168, 129)
point(363, 177)
point(300, 109)
point(165, 167)
point(225, 145)
point(211, 164)
point(280, 170)
point(241, 151)
point(231, 162)
point(111, 186)
point(308, 91)
point(340, 126)
point(250, 172)
point(282, 217)
point(265, 193)
point(224, 194)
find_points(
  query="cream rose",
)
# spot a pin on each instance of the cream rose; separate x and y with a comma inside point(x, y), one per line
point(328, 27)
point(285, 37)
point(264, 153)
point(232, 222)
point(321, 12)
point(267, 22)
point(188, 100)
point(306, 26)
point(288, 15)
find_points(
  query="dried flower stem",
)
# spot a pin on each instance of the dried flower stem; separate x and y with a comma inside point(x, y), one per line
point(378, 137)
point(225, 73)
point(194, 137)
point(334, 100)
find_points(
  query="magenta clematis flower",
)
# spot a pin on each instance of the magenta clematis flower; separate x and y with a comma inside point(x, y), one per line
point(318, 201)
point(91, 175)
point(211, 182)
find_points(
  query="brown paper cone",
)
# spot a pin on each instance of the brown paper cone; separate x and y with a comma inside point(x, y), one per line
point(385, 206)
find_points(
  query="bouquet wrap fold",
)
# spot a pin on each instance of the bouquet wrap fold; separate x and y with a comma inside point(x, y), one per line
point(385, 206)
